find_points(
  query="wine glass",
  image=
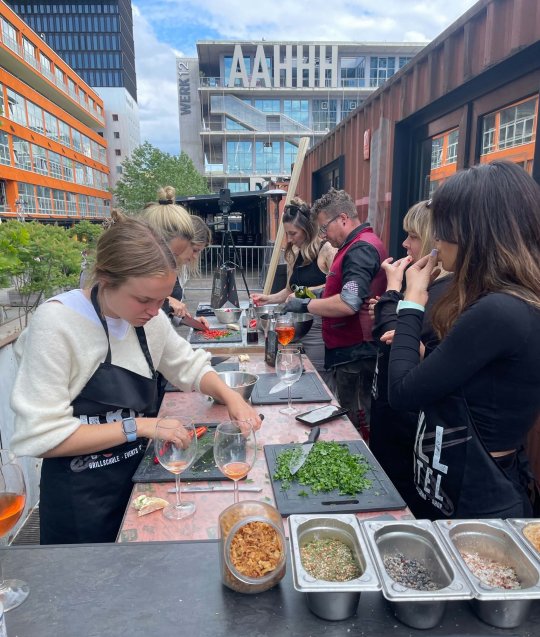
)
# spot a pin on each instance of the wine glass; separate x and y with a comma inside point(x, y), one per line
point(285, 328)
point(175, 446)
point(13, 592)
point(235, 449)
point(289, 370)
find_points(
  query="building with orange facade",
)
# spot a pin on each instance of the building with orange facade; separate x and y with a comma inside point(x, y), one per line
point(53, 164)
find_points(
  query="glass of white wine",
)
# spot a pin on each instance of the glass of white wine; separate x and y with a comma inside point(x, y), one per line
point(175, 446)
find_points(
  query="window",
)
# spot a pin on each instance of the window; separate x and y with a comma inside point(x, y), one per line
point(4, 150)
point(116, 135)
point(353, 71)
point(29, 51)
point(35, 118)
point(83, 205)
point(451, 149)
point(238, 186)
point(68, 169)
point(64, 133)
point(436, 152)
point(239, 156)
point(119, 170)
point(17, 110)
point(44, 200)
point(381, 68)
point(268, 157)
point(117, 152)
point(9, 34)
point(60, 76)
point(324, 114)
point(46, 65)
point(404, 60)
point(517, 124)
point(26, 195)
point(71, 204)
point(79, 173)
point(21, 154)
point(51, 126)
point(55, 164)
point(289, 156)
point(39, 160)
point(267, 106)
point(76, 140)
point(86, 147)
point(59, 202)
point(297, 110)
point(231, 124)
point(114, 117)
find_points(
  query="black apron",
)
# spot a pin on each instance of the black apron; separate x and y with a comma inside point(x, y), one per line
point(455, 473)
point(83, 498)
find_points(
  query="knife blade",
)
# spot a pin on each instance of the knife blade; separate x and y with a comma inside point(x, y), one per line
point(280, 386)
point(198, 489)
point(194, 323)
point(305, 449)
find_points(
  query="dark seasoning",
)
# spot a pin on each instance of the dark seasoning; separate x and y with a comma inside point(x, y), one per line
point(410, 573)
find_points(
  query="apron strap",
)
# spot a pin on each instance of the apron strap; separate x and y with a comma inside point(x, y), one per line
point(141, 336)
point(95, 303)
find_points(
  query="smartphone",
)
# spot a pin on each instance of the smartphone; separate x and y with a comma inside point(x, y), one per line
point(321, 415)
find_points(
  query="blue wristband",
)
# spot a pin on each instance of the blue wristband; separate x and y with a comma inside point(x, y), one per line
point(409, 305)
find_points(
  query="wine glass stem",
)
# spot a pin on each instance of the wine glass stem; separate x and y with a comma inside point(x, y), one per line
point(289, 397)
point(235, 491)
point(178, 499)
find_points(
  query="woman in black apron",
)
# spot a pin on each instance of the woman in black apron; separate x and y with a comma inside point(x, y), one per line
point(479, 391)
point(308, 262)
point(102, 347)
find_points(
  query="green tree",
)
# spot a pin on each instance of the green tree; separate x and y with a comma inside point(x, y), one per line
point(42, 260)
point(148, 169)
point(86, 232)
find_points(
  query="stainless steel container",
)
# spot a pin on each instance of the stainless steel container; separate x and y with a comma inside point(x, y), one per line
point(331, 600)
point(493, 540)
point(415, 540)
point(518, 526)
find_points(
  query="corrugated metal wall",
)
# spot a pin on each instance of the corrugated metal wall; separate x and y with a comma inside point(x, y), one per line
point(459, 65)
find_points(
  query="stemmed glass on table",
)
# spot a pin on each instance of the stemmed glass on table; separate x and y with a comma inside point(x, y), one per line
point(284, 328)
point(289, 370)
point(235, 449)
point(13, 592)
point(175, 446)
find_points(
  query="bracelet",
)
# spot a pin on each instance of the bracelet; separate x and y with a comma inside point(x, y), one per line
point(410, 305)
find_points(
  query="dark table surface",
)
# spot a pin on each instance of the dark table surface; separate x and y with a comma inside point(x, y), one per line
point(163, 589)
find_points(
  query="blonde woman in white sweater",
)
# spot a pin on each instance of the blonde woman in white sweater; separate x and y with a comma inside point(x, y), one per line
point(85, 396)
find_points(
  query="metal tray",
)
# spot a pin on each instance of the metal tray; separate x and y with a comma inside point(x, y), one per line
point(333, 601)
point(305, 528)
point(517, 525)
point(492, 539)
point(415, 539)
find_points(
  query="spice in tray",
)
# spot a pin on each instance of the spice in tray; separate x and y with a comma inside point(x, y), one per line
point(330, 466)
point(330, 560)
point(532, 533)
point(491, 572)
point(410, 573)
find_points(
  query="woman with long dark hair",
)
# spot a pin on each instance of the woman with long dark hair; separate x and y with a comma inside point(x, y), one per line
point(479, 390)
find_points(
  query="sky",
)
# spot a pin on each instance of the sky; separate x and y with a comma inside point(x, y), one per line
point(164, 29)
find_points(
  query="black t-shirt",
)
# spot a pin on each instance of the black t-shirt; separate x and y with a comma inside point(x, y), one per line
point(309, 275)
point(492, 353)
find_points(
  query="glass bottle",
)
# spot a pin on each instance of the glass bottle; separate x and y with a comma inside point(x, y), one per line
point(271, 342)
point(251, 324)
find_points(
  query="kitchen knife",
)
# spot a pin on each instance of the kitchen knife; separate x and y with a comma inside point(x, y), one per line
point(215, 488)
point(194, 323)
point(306, 447)
point(280, 386)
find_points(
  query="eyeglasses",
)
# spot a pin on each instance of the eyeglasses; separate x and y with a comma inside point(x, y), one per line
point(323, 229)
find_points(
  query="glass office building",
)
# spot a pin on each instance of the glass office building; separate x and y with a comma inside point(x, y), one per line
point(244, 106)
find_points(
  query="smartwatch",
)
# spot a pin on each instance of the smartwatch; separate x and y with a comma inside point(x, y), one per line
point(129, 427)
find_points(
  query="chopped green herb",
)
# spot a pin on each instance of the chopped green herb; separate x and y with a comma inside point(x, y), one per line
point(330, 466)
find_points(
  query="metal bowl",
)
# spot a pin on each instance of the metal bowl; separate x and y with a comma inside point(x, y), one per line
point(302, 323)
point(261, 310)
point(228, 314)
point(241, 382)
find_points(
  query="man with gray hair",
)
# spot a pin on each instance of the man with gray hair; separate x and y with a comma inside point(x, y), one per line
point(355, 277)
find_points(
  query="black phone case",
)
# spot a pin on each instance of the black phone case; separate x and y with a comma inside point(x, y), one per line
point(342, 412)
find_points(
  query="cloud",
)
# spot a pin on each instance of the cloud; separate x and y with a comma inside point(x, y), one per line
point(156, 86)
point(164, 27)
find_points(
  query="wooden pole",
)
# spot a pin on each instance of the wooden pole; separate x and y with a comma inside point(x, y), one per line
point(302, 149)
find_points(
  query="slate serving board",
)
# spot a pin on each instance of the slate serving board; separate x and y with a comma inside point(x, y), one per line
point(309, 389)
point(381, 496)
point(202, 469)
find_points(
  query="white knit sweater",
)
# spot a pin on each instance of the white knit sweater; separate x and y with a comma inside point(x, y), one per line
point(61, 349)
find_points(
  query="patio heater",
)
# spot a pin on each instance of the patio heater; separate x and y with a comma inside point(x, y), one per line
point(275, 195)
